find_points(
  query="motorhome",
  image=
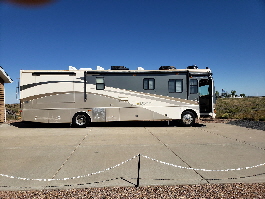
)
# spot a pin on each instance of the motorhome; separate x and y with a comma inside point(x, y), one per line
point(83, 96)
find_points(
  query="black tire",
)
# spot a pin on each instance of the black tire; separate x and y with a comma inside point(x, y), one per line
point(80, 120)
point(188, 118)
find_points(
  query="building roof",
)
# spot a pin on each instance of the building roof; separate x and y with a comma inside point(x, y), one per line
point(4, 76)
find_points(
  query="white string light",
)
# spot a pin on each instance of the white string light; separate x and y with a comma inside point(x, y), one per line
point(107, 169)
point(196, 169)
point(71, 178)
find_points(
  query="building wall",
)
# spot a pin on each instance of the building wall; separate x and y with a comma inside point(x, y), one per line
point(2, 102)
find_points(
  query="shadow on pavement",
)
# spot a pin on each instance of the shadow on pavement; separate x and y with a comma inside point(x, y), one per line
point(39, 125)
point(103, 124)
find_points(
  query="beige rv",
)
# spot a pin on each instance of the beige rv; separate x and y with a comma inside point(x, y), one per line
point(119, 94)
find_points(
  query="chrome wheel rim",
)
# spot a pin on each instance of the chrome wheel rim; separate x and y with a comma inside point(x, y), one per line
point(187, 119)
point(80, 120)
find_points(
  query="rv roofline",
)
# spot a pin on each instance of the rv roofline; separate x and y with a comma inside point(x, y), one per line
point(47, 71)
point(193, 72)
point(123, 71)
point(151, 71)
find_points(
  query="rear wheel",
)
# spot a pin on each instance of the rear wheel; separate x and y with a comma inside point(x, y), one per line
point(80, 120)
point(187, 118)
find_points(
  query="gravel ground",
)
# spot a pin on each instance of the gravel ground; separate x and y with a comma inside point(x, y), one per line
point(235, 190)
point(260, 125)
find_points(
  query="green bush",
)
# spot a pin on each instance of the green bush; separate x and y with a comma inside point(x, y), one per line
point(12, 111)
point(241, 108)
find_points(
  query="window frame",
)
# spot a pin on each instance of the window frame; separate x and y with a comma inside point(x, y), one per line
point(99, 84)
point(175, 87)
point(194, 86)
point(148, 85)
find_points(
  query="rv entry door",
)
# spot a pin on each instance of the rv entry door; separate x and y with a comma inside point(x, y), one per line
point(205, 96)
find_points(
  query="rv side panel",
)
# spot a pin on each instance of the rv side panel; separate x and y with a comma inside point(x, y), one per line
point(104, 96)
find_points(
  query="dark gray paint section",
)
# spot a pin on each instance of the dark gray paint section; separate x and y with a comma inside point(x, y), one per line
point(134, 82)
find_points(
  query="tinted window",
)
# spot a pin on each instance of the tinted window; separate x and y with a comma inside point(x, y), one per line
point(175, 85)
point(100, 85)
point(149, 84)
point(193, 86)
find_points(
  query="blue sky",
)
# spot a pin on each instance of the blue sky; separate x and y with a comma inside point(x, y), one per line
point(227, 36)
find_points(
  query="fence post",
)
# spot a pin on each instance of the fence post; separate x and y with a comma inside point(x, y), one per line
point(138, 177)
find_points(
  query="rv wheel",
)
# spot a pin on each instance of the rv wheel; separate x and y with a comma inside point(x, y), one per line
point(80, 120)
point(187, 118)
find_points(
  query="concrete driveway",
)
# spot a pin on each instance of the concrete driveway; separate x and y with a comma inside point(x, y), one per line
point(55, 156)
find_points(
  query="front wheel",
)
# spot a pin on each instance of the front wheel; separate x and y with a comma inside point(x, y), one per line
point(187, 118)
point(80, 120)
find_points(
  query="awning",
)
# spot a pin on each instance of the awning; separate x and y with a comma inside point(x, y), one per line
point(4, 76)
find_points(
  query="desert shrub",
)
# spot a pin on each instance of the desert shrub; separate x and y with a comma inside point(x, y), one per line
point(12, 111)
point(241, 108)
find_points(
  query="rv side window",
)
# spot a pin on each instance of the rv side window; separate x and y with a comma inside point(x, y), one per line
point(100, 85)
point(175, 85)
point(193, 86)
point(149, 84)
